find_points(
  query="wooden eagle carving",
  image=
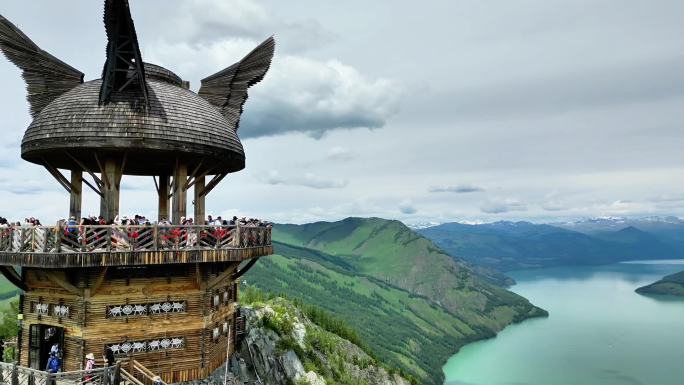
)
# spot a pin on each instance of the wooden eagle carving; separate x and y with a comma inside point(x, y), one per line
point(47, 77)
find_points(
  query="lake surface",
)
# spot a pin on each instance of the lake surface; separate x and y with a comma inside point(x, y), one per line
point(599, 332)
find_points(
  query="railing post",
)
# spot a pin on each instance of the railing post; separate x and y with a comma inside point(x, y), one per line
point(155, 236)
point(46, 237)
point(15, 374)
point(58, 238)
point(22, 238)
point(117, 373)
point(109, 238)
point(105, 376)
point(84, 237)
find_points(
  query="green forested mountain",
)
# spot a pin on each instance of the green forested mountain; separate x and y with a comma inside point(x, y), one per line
point(672, 284)
point(413, 304)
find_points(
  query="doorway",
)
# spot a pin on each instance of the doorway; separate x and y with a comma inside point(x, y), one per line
point(41, 339)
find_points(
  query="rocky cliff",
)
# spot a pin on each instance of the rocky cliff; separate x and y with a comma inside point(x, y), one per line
point(283, 347)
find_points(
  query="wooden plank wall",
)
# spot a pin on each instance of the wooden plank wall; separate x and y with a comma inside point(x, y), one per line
point(88, 329)
point(44, 290)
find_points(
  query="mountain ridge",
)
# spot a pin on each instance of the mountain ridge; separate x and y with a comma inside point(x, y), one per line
point(414, 304)
point(508, 245)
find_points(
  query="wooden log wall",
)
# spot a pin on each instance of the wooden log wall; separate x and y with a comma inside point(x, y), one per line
point(91, 293)
point(44, 290)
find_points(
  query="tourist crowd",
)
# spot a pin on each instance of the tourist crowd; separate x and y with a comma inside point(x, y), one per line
point(138, 232)
point(139, 220)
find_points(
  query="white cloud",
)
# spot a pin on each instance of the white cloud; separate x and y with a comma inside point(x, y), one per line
point(459, 188)
point(502, 206)
point(307, 180)
point(468, 110)
point(406, 207)
point(306, 95)
point(340, 153)
point(300, 93)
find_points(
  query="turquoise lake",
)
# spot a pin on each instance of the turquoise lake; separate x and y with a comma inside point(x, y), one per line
point(599, 332)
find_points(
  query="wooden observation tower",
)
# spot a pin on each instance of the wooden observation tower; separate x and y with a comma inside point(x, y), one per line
point(163, 295)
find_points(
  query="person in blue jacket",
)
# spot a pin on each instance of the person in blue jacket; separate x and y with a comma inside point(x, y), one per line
point(54, 365)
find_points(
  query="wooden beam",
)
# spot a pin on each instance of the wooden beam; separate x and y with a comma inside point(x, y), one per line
point(221, 277)
point(109, 204)
point(63, 283)
point(193, 174)
point(199, 202)
point(58, 175)
point(246, 268)
point(97, 190)
point(198, 276)
point(13, 277)
point(123, 167)
point(98, 281)
point(212, 183)
point(180, 199)
point(76, 194)
point(80, 164)
point(102, 170)
point(201, 175)
point(163, 194)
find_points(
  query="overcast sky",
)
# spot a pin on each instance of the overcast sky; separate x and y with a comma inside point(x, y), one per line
point(420, 111)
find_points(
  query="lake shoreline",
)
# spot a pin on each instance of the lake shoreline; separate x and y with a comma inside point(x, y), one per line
point(611, 336)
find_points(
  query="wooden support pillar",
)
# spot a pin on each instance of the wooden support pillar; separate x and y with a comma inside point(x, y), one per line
point(76, 194)
point(200, 213)
point(163, 211)
point(109, 204)
point(180, 198)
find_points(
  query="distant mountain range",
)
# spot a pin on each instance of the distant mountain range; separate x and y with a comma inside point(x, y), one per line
point(414, 304)
point(515, 245)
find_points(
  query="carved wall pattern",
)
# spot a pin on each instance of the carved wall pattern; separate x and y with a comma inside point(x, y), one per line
point(160, 344)
point(57, 310)
point(142, 309)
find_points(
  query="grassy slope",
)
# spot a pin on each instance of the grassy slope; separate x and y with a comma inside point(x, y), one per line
point(390, 251)
point(413, 304)
point(8, 292)
point(670, 285)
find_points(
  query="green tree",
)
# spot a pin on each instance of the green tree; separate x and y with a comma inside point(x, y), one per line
point(9, 327)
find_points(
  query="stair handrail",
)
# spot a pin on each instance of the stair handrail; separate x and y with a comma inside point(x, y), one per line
point(135, 364)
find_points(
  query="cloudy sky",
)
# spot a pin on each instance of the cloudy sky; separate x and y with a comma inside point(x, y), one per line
point(421, 111)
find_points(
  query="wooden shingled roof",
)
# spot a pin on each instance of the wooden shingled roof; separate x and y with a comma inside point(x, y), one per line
point(138, 111)
point(177, 123)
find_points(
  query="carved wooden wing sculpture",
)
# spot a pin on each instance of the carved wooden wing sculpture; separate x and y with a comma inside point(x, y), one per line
point(46, 76)
point(227, 89)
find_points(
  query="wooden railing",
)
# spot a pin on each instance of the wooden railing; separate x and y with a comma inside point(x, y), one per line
point(142, 374)
point(113, 238)
point(12, 374)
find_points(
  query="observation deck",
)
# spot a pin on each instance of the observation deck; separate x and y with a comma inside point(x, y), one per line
point(133, 245)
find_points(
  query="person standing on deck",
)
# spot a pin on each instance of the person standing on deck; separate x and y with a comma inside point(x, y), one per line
point(54, 365)
point(90, 365)
point(54, 349)
point(109, 361)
